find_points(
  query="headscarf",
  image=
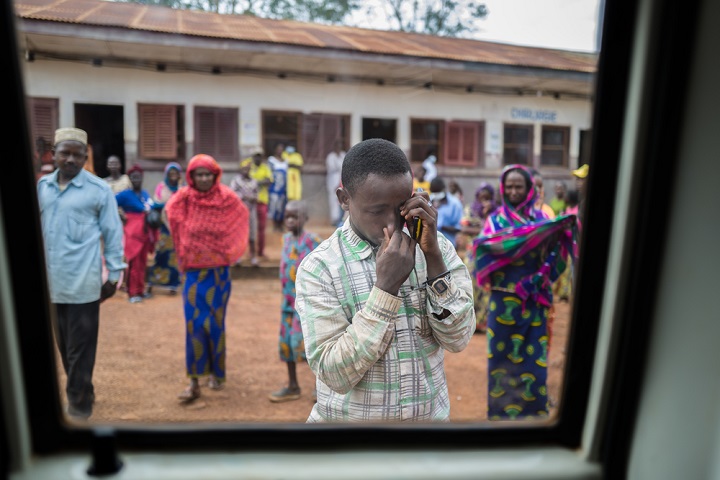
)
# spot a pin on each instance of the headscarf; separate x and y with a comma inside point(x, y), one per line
point(135, 168)
point(476, 207)
point(507, 215)
point(163, 190)
point(512, 232)
point(209, 229)
point(168, 167)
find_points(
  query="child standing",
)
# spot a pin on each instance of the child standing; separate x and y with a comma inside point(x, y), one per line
point(246, 188)
point(297, 243)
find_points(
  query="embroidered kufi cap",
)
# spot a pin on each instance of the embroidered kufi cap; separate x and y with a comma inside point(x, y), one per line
point(65, 134)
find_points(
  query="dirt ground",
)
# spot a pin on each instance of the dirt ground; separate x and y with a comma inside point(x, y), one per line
point(140, 366)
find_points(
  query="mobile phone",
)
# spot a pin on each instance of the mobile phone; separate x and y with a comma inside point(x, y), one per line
point(415, 227)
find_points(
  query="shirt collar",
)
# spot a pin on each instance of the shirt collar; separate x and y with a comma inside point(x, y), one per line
point(359, 248)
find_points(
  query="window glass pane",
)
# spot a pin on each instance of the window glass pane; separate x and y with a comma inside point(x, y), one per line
point(425, 137)
point(517, 135)
point(553, 137)
point(552, 157)
point(516, 155)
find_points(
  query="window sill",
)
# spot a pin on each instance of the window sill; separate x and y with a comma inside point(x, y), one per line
point(550, 463)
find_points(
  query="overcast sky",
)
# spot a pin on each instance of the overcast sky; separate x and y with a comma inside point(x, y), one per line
point(565, 24)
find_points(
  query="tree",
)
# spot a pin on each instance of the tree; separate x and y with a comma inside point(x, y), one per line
point(331, 12)
point(447, 18)
point(450, 18)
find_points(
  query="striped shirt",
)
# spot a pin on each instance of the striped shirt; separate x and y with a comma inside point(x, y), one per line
point(379, 357)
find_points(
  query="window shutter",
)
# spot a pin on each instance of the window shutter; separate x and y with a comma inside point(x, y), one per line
point(43, 118)
point(319, 132)
point(158, 131)
point(461, 147)
point(216, 133)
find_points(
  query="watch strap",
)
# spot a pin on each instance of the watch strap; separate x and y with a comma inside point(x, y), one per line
point(430, 281)
point(439, 281)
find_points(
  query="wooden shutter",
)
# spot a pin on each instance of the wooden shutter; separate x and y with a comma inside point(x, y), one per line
point(43, 118)
point(462, 143)
point(319, 132)
point(216, 133)
point(158, 131)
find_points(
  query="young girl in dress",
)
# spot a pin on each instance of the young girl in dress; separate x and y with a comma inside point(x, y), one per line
point(297, 243)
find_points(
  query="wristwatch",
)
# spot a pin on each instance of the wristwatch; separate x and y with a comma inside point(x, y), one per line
point(440, 284)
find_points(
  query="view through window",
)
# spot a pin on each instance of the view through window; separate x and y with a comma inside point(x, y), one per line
point(462, 106)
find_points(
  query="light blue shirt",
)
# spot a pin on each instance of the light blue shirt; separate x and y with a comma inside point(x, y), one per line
point(76, 223)
point(449, 215)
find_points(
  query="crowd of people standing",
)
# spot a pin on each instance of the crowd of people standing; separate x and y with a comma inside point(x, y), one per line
point(500, 280)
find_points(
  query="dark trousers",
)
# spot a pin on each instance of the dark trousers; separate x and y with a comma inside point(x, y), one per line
point(76, 334)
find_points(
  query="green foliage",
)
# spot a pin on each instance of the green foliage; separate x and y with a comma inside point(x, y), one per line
point(446, 18)
point(331, 12)
point(450, 18)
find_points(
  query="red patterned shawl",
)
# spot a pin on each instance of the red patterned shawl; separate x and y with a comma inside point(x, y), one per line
point(210, 229)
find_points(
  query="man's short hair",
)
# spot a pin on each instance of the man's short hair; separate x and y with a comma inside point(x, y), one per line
point(437, 184)
point(375, 155)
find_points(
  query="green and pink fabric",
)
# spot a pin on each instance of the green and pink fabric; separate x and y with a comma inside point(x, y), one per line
point(519, 254)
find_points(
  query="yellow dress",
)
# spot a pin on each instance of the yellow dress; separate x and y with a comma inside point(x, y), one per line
point(294, 177)
point(418, 184)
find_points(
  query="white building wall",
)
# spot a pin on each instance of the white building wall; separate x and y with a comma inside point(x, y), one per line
point(80, 83)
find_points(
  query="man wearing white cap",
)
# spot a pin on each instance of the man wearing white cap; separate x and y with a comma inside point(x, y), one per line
point(79, 216)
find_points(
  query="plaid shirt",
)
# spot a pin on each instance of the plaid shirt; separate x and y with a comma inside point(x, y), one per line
point(376, 356)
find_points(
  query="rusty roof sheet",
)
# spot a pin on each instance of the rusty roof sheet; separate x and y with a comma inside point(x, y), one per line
point(254, 29)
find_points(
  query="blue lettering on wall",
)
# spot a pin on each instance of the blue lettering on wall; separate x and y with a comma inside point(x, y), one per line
point(548, 116)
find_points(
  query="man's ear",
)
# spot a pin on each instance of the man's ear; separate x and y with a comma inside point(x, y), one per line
point(343, 197)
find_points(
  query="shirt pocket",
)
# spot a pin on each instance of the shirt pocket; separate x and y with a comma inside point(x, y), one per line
point(79, 227)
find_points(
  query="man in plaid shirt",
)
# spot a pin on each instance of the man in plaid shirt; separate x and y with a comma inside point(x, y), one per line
point(379, 307)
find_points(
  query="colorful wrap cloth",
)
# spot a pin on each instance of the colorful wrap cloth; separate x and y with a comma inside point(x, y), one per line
point(514, 231)
point(497, 250)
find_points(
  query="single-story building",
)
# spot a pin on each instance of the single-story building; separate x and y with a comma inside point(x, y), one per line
point(153, 84)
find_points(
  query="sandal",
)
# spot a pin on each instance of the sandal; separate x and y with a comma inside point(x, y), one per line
point(190, 394)
point(284, 395)
point(215, 384)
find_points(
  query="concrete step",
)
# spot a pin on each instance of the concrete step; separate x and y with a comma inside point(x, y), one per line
point(250, 272)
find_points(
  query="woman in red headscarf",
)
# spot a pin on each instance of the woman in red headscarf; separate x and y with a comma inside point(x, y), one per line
point(210, 228)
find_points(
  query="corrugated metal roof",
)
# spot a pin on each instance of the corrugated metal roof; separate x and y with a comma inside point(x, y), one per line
point(249, 28)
